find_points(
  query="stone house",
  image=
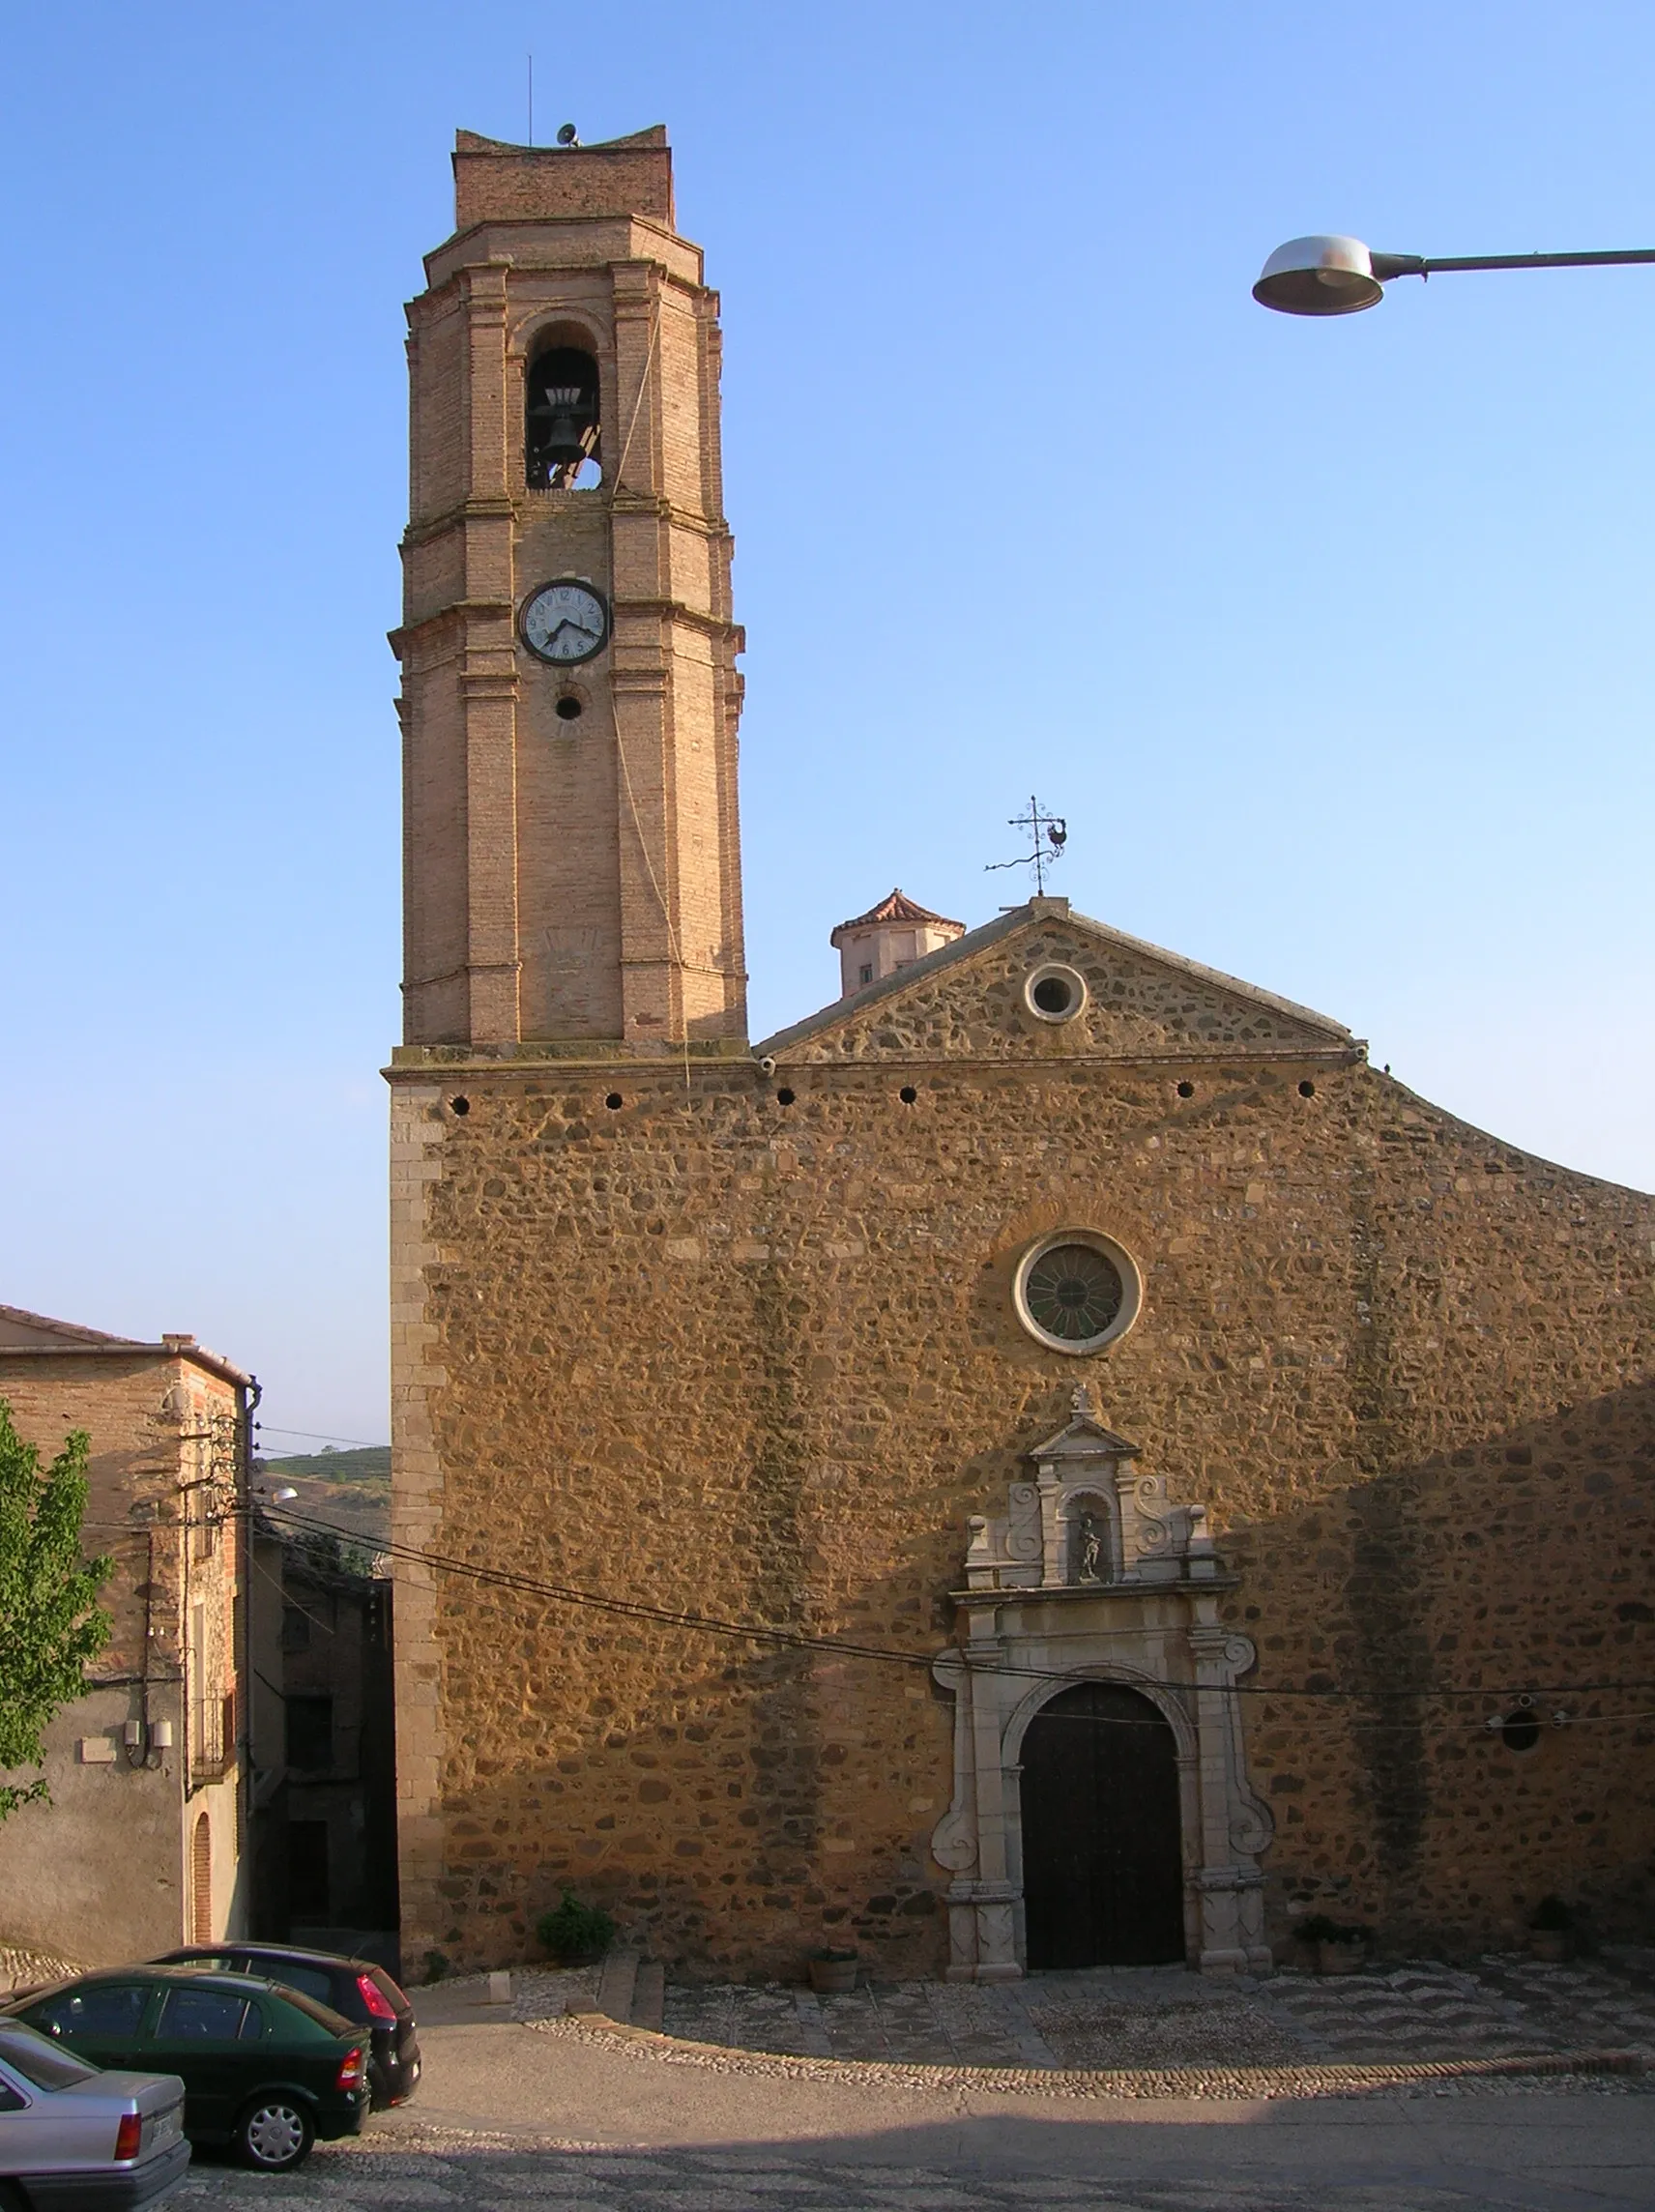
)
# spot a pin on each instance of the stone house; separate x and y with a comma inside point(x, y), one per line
point(324, 1746)
point(1053, 1458)
point(141, 1846)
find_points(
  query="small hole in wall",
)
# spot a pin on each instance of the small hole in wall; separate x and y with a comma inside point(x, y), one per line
point(1187, 1089)
point(907, 1094)
point(1520, 1732)
point(460, 1105)
point(567, 709)
point(1307, 1089)
point(614, 1102)
point(784, 1096)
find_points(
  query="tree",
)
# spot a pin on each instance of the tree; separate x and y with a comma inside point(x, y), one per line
point(50, 1620)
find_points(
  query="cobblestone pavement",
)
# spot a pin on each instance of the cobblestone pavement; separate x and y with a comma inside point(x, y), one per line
point(1339, 2144)
point(440, 2172)
point(1496, 2007)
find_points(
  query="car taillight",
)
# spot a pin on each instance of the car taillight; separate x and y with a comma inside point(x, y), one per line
point(350, 2073)
point(379, 2006)
point(129, 2135)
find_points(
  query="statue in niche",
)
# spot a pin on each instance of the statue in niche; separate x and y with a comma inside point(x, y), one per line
point(1091, 1538)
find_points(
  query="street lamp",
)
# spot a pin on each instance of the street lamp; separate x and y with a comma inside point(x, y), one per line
point(1341, 276)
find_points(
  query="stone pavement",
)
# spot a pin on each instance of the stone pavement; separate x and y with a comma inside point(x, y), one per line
point(739, 2178)
point(584, 2112)
point(1495, 2008)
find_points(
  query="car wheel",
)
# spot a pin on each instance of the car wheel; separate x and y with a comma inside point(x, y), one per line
point(274, 2135)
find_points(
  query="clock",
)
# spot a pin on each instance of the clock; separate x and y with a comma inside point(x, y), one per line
point(566, 621)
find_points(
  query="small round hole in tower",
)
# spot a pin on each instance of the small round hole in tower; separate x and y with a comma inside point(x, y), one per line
point(1307, 1089)
point(1187, 1089)
point(569, 709)
point(784, 1096)
point(907, 1094)
point(614, 1102)
point(460, 1105)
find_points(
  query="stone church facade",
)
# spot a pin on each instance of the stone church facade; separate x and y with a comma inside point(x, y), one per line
point(1100, 1470)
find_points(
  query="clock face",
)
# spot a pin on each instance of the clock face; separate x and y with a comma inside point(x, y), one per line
point(566, 621)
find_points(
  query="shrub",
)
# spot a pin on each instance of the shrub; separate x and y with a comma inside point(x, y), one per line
point(575, 1931)
point(436, 1965)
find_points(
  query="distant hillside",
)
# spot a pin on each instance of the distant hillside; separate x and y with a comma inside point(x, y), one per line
point(351, 1489)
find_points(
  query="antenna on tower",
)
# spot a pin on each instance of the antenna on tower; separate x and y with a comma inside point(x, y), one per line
point(1050, 833)
point(531, 100)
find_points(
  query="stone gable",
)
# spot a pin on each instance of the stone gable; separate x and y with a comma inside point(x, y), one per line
point(967, 1003)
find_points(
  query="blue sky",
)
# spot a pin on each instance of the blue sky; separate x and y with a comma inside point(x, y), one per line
point(1330, 640)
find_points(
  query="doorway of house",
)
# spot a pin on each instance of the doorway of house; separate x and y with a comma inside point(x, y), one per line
point(201, 1881)
point(1102, 1859)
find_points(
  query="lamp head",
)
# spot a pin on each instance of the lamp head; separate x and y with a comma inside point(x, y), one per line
point(1319, 277)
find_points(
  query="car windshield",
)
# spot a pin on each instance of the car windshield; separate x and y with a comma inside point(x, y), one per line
point(40, 2061)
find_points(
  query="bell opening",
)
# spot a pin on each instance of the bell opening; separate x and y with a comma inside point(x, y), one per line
point(562, 433)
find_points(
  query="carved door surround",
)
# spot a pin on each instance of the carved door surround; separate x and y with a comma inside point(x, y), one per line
point(1092, 1574)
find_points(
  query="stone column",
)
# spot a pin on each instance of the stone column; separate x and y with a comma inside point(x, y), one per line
point(1221, 1878)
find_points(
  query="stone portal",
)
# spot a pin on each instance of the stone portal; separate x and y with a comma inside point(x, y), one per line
point(1093, 1604)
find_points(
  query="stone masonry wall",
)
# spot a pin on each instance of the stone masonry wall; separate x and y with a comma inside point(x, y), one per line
point(153, 1424)
point(703, 1349)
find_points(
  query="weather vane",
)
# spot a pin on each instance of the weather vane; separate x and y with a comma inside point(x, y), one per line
point(1050, 833)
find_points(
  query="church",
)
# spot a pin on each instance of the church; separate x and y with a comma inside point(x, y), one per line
point(1050, 1460)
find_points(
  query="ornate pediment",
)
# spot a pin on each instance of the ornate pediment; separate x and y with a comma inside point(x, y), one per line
point(1088, 1520)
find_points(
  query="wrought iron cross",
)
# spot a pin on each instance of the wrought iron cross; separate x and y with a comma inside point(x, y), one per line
point(1050, 833)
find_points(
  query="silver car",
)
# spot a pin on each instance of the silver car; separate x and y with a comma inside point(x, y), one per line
point(75, 2137)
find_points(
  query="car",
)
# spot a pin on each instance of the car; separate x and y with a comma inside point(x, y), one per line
point(74, 2135)
point(356, 1988)
point(265, 2069)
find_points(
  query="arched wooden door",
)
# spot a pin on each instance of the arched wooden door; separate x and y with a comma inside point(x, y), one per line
point(201, 1881)
point(1102, 1859)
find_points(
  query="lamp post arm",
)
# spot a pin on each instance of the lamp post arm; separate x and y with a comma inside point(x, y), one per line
point(1389, 264)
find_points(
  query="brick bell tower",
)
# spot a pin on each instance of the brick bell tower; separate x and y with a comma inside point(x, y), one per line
point(569, 694)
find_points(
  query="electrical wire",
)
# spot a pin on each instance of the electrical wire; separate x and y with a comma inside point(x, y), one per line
point(638, 1609)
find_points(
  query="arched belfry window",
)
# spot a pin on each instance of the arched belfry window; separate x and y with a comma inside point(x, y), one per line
point(561, 428)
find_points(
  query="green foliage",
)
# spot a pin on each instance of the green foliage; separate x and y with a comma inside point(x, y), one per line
point(437, 1965)
point(50, 1620)
point(574, 1931)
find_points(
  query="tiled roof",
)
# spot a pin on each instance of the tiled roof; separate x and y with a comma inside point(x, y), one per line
point(898, 907)
point(19, 1328)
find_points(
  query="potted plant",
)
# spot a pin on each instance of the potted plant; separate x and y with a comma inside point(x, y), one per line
point(1340, 1946)
point(575, 1933)
point(1552, 1931)
point(833, 1973)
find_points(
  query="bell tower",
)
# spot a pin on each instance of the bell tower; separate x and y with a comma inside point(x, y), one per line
point(572, 866)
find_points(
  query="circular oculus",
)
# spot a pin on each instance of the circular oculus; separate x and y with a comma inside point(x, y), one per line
point(1077, 1291)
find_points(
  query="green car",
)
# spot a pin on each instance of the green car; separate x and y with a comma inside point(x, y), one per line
point(265, 2068)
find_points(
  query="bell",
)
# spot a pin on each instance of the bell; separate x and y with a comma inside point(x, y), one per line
point(565, 425)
